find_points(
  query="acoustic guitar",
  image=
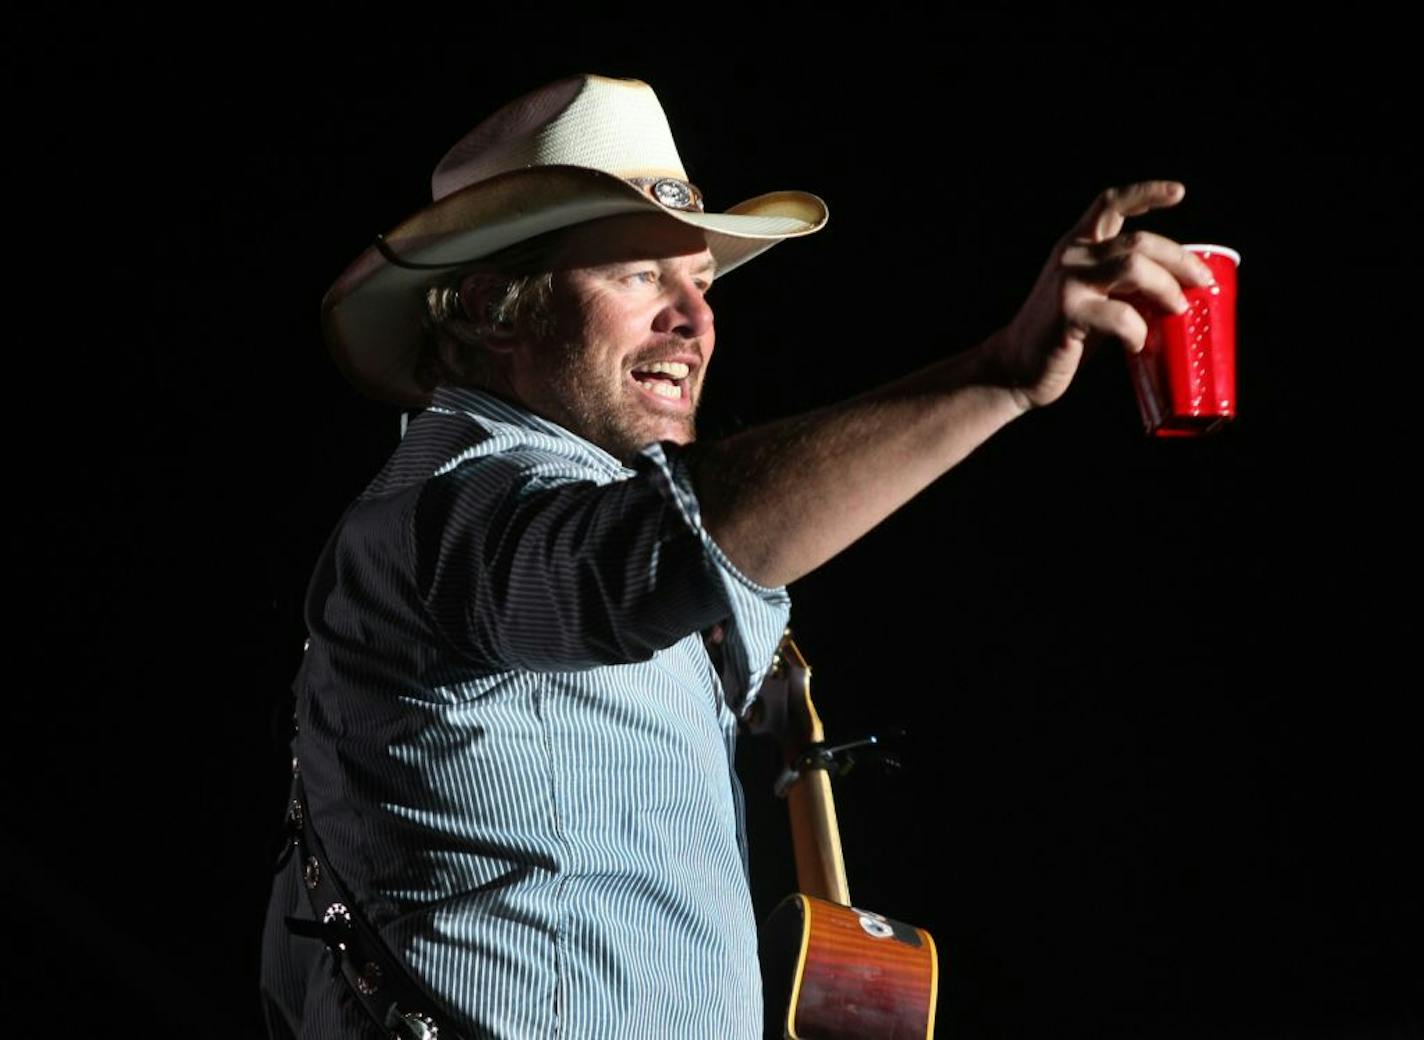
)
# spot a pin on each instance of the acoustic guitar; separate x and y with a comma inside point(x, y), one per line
point(831, 971)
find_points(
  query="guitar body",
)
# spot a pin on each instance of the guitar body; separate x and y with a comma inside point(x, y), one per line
point(851, 974)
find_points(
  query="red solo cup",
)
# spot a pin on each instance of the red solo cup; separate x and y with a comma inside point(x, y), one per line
point(1185, 376)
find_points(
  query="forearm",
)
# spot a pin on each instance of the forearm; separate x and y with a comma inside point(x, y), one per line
point(784, 498)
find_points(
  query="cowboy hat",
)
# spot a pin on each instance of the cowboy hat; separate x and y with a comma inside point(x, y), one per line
point(577, 150)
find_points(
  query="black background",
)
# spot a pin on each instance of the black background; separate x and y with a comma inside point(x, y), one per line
point(1163, 770)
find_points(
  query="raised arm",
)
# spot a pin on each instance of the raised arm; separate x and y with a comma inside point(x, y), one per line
point(856, 462)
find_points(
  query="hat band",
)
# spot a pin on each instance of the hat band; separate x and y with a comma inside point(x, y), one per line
point(668, 192)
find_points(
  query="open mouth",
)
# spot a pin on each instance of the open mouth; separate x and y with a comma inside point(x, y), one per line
point(664, 379)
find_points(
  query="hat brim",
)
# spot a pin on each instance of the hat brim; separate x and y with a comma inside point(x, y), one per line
point(373, 316)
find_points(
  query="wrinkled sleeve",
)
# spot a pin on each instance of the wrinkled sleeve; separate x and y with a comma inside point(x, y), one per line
point(524, 561)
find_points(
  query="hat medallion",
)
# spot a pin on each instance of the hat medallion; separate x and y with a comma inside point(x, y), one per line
point(676, 194)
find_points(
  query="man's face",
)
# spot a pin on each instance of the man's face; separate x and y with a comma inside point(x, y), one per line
point(633, 334)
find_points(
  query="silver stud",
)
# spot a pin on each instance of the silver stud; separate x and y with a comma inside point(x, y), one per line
point(421, 1027)
point(368, 979)
point(294, 815)
point(337, 913)
point(295, 767)
point(311, 873)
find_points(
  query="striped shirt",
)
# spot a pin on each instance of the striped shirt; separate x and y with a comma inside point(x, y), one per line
point(516, 748)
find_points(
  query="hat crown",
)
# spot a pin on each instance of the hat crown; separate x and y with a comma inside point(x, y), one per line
point(613, 125)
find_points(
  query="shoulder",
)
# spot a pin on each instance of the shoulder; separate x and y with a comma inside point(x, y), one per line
point(463, 448)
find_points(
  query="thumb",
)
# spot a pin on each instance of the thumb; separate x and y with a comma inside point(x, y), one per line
point(1105, 217)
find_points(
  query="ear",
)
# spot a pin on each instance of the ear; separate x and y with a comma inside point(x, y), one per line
point(480, 293)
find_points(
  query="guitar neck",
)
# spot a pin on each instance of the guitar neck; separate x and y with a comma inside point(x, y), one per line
point(815, 832)
point(816, 839)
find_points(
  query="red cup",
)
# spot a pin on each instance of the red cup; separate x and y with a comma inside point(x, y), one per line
point(1185, 376)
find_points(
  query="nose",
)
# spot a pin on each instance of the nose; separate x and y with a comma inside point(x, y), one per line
point(686, 312)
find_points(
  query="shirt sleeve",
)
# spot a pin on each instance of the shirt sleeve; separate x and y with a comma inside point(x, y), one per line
point(524, 561)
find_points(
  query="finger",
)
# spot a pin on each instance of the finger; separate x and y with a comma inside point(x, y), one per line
point(1188, 268)
point(1135, 274)
point(1105, 317)
point(1105, 216)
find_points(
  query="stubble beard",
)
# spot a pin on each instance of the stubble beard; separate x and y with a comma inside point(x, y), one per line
point(609, 416)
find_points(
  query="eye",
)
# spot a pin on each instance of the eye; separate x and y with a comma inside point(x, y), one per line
point(643, 277)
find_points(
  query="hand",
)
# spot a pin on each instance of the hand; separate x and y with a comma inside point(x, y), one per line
point(1094, 286)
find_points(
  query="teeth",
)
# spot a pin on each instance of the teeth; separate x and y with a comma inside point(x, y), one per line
point(676, 369)
point(662, 389)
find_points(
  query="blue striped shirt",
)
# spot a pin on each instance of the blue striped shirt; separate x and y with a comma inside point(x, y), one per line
point(516, 748)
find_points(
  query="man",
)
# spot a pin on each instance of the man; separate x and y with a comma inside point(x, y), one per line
point(515, 747)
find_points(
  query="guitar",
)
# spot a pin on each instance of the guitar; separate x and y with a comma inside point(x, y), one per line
point(831, 971)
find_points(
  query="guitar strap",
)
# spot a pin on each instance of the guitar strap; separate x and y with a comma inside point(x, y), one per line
point(380, 982)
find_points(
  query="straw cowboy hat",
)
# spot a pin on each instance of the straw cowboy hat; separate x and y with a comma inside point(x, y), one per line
point(576, 150)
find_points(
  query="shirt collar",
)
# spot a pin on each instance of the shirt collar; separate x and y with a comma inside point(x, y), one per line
point(485, 405)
